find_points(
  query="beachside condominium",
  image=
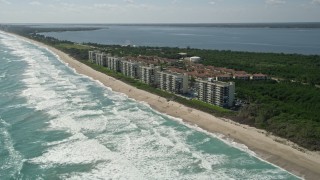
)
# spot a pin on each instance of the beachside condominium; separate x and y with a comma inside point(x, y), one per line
point(173, 82)
point(148, 74)
point(101, 59)
point(216, 92)
point(114, 63)
point(129, 68)
point(93, 56)
point(106, 60)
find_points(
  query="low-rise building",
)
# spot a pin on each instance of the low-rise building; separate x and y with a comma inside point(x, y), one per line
point(174, 82)
point(223, 77)
point(241, 76)
point(216, 92)
point(195, 59)
point(259, 77)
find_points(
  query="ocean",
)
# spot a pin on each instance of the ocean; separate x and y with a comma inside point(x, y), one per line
point(58, 124)
point(276, 40)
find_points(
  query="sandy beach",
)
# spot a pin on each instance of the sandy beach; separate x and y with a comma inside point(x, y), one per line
point(303, 163)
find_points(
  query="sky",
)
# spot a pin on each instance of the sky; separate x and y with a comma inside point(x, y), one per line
point(159, 11)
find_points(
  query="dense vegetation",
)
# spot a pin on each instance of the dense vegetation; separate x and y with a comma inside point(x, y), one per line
point(292, 67)
point(287, 109)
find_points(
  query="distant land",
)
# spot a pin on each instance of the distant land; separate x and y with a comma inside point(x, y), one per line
point(292, 40)
point(236, 25)
point(224, 25)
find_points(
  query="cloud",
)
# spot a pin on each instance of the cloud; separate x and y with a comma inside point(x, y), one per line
point(106, 6)
point(35, 3)
point(174, 1)
point(67, 8)
point(129, 1)
point(5, 2)
point(214, 2)
point(275, 2)
point(316, 2)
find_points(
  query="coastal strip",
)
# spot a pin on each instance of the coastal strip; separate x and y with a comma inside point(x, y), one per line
point(270, 148)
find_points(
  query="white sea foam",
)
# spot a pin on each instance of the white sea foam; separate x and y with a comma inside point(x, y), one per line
point(3, 75)
point(221, 137)
point(158, 150)
point(14, 161)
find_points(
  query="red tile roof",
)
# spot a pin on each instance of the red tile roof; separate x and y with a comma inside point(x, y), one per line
point(224, 75)
point(242, 75)
point(259, 75)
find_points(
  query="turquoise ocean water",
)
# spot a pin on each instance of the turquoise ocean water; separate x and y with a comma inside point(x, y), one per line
point(57, 124)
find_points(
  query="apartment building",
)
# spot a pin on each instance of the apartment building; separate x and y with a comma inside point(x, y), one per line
point(113, 63)
point(216, 92)
point(101, 59)
point(129, 68)
point(173, 82)
point(92, 56)
point(259, 77)
point(148, 74)
point(213, 92)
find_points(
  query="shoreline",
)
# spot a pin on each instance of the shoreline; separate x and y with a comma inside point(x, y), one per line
point(272, 149)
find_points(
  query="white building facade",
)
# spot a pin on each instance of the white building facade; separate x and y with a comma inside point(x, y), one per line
point(173, 82)
point(93, 55)
point(216, 92)
point(129, 68)
point(149, 74)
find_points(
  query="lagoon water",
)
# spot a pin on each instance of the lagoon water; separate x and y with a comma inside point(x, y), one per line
point(277, 40)
point(57, 124)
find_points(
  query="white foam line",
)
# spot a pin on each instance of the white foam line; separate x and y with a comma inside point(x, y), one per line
point(141, 149)
point(15, 158)
point(221, 137)
point(3, 75)
point(74, 70)
point(71, 68)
